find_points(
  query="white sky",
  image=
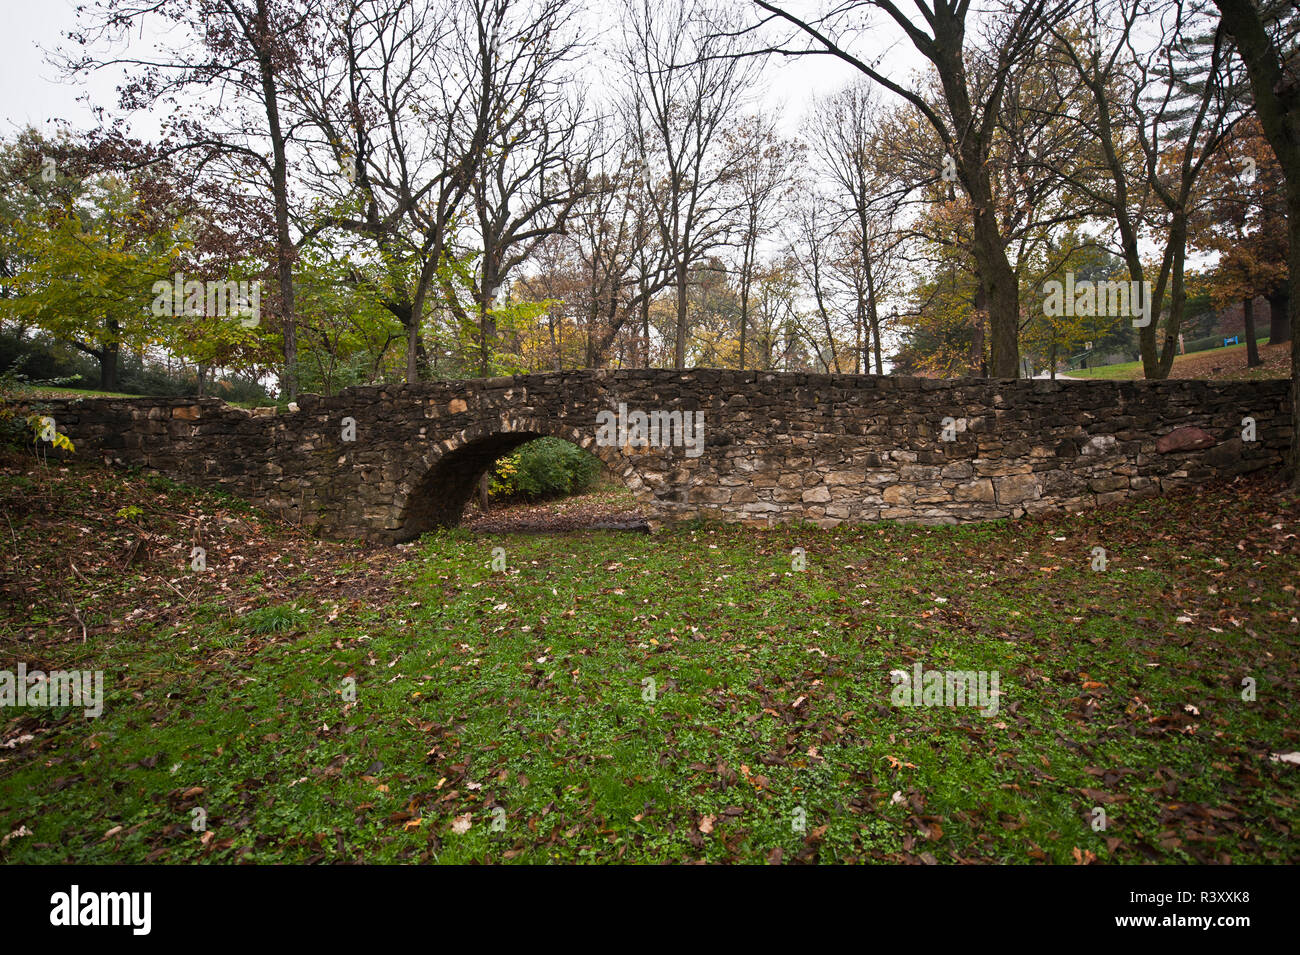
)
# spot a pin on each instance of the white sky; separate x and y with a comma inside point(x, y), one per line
point(32, 91)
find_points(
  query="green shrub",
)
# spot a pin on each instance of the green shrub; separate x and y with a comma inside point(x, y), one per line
point(273, 619)
point(547, 467)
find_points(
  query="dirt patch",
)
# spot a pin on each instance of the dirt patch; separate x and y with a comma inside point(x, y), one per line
point(1223, 365)
point(613, 509)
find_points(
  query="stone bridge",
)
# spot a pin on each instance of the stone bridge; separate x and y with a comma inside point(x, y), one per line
point(390, 462)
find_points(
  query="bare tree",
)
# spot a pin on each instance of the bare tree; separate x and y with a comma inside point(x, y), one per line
point(810, 253)
point(764, 179)
point(687, 83)
point(410, 108)
point(534, 169)
point(845, 134)
point(966, 123)
point(621, 258)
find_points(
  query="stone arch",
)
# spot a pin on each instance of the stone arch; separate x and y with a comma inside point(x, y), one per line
point(438, 485)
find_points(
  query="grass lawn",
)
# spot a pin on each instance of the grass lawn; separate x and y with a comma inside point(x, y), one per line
point(506, 716)
point(1120, 371)
point(1222, 364)
point(48, 391)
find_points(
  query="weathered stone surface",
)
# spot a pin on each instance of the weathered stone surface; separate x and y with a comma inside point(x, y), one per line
point(978, 490)
point(713, 495)
point(777, 447)
point(1111, 482)
point(852, 476)
point(897, 494)
point(1101, 444)
point(1015, 488)
point(932, 495)
point(1184, 439)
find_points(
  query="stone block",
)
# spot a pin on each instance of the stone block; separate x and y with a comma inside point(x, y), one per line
point(1184, 439)
point(1017, 488)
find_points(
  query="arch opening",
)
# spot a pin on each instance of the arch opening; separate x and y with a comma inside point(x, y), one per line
point(440, 496)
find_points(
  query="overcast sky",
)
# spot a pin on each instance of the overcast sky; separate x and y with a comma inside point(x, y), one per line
point(33, 92)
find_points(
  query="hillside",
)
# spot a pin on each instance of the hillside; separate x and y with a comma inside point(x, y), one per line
point(1220, 364)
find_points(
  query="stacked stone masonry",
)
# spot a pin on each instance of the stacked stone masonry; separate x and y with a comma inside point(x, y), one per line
point(779, 447)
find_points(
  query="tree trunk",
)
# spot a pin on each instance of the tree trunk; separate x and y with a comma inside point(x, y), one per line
point(645, 322)
point(998, 283)
point(487, 336)
point(1277, 104)
point(284, 251)
point(1158, 358)
point(1293, 315)
point(679, 358)
point(1279, 317)
point(997, 279)
point(108, 368)
point(861, 357)
point(746, 273)
point(555, 345)
point(487, 324)
point(415, 356)
point(1252, 349)
point(873, 311)
point(744, 318)
point(412, 339)
point(593, 317)
point(108, 355)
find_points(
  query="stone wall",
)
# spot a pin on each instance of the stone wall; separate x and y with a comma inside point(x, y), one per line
point(778, 447)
